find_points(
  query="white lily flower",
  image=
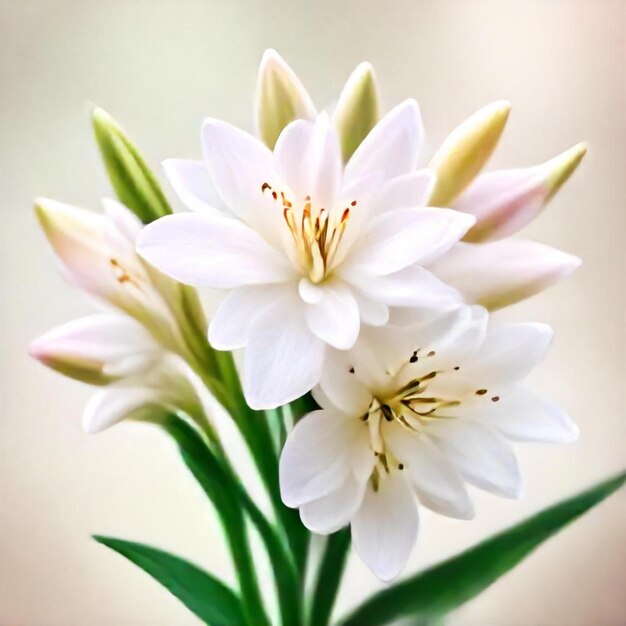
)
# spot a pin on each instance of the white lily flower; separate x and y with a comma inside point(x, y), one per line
point(309, 250)
point(417, 411)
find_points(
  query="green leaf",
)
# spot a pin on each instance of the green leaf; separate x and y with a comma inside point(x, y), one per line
point(450, 584)
point(210, 599)
point(134, 183)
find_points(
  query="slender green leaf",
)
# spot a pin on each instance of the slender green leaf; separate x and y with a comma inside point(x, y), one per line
point(134, 183)
point(208, 471)
point(329, 577)
point(450, 584)
point(210, 599)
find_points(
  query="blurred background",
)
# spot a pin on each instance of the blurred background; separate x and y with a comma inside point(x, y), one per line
point(159, 67)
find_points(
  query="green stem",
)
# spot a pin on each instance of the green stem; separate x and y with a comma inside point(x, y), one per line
point(206, 469)
point(329, 577)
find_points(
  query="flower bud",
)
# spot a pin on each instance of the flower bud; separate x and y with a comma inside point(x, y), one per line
point(280, 98)
point(357, 110)
point(466, 150)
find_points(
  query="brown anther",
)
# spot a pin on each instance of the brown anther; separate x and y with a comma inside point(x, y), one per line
point(351, 370)
point(456, 368)
point(495, 398)
point(274, 195)
point(400, 466)
point(353, 203)
point(429, 376)
point(413, 358)
point(431, 353)
point(265, 186)
point(481, 392)
point(346, 215)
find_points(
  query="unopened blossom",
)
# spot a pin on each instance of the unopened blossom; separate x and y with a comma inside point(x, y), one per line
point(417, 411)
point(131, 347)
point(503, 201)
point(308, 250)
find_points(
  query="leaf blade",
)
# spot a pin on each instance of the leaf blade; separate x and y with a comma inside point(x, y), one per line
point(204, 595)
point(431, 594)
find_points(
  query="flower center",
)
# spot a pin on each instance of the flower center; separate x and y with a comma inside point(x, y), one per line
point(411, 407)
point(315, 235)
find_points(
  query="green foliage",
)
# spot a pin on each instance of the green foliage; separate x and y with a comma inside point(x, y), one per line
point(450, 584)
point(212, 601)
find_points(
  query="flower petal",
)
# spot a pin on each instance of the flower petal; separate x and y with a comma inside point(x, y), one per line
point(239, 165)
point(283, 357)
point(240, 307)
point(405, 192)
point(384, 529)
point(335, 318)
point(97, 349)
point(212, 251)
point(402, 237)
point(391, 147)
point(438, 485)
point(522, 415)
point(317, 457)
point(280, 97)
point(192, 184)
point(500, 273)
point(484, 458)
point(342, 388)
point(335, 510)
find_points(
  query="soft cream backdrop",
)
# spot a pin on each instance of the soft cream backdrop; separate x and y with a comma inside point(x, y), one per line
point(159, 67)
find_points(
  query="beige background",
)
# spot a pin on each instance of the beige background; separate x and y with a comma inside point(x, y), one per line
point(159, 67)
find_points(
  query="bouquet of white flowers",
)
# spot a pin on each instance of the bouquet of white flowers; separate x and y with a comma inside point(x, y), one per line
point(357, 285)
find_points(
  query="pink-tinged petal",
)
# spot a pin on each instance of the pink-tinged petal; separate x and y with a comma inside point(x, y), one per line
point(97, 349)
point(283, 359)
point(500, 273)
point(335, 510)
point(192, 184)
point(317, 457)
point(405, 192)
point(391, 147)
point(211, 251)
point(239, 165)
point(397, 239)
point(335, 318)
point(280, 97)
point(522, 415)
point(240, 307)
point(384, 529)
point(482, 456)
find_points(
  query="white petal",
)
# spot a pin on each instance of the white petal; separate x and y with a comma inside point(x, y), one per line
point(371, 312)
point(399, 238)
point(212, 251)
point(125, 222)
point(317, 457)
point(335, 318)
point(335, 510)
point(283, 357)
point(192, 184)
point(384, 530)
point(309, 291)
point(412, 286)
point(342, 387)
point(523, 416)
point(405, 192)
point(308, 158)
point(236, 313)
point(239, 165)
point(110, 406)
point(500, 273)
point(438, 485)
point(508, 354)
point(484, 458)
point(391, 147)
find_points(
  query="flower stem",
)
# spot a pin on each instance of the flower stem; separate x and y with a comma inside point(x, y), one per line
point(329, 576)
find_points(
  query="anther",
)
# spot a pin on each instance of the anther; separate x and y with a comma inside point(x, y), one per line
point(413, 358)
point(431, 353)
point(495, 398)
point(401, 466)
point(481, 392)
point(265, 186)
point(456, 368)
point(353, 203)
point(351, 370)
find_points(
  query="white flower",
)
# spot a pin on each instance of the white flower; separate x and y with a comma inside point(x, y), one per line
point(309, 250)
point(418, 410)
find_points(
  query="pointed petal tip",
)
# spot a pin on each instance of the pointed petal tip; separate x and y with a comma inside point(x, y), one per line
point(560, 168)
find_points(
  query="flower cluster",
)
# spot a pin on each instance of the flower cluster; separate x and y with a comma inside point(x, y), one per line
point(352, 268)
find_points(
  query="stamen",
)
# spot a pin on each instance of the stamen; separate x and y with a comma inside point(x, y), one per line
point(495, 398)
point(481, 392)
